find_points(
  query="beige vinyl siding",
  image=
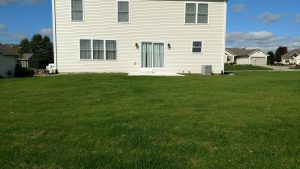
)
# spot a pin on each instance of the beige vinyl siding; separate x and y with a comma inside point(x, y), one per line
point(150, 20)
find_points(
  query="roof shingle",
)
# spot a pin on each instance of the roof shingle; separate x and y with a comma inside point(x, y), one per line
point(26, 56)
point(289, 54)
point(240, 51)
point(6, 50)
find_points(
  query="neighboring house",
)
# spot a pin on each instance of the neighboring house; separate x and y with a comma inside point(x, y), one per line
point(29, 60)
point(290, 57)
point(242, 56)
point(8, 61)
point(136, 36)
point(228, 57)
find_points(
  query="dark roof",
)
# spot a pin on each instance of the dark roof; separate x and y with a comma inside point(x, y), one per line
point(26, 56)
point(7, 50)
point(241, 51)
point(289, 54)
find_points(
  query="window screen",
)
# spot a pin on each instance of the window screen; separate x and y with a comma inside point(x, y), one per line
point(77, 10)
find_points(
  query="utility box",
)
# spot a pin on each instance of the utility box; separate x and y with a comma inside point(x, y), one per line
point(51, 68)
point(206, 69)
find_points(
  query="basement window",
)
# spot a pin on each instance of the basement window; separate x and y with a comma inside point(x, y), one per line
point(197, 46)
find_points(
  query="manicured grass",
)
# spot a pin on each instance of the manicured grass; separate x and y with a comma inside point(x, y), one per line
point(244, 67)
point(247, 121)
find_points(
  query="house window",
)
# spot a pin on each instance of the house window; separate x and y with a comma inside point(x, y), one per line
point(196, 13)
point(111, 49)
point(98, 49)
point(197, 47)
point(123, 11)
point(85, 49)
point(202, 13)
point(190, 13)
point(77, 10)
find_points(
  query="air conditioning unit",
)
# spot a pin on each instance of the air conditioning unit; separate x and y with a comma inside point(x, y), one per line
point(51, 68)
point(206, 69)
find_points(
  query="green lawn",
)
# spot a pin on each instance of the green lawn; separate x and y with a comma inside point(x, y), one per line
point(111, 121)
point(244, 67)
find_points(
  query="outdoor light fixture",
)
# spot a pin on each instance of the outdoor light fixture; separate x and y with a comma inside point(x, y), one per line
point(169, 46)
point(137, 45)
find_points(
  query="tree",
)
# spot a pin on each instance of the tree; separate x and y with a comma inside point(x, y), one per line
point(279, 52)
point(25, 46)
point(36, 41)
point(271, 58)
point(46, 51)
point(42, 47)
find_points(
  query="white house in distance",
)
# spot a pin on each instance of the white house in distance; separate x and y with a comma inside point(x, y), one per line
point(292, 57)
point(136, 36)
point(8, 61)
point(242, 56)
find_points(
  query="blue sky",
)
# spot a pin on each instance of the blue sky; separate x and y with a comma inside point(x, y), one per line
point(266, 24)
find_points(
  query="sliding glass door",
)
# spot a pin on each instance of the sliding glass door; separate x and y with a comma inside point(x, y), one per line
point(152, 55)
point(146, 55)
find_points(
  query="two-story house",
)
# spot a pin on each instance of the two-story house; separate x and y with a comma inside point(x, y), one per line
point(136, 36)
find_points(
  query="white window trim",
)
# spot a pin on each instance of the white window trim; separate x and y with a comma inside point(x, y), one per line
point(83, 13)
point(197, 53)
point(129, 11)
point(92, 50)
point(196, 20)
point(152, 42)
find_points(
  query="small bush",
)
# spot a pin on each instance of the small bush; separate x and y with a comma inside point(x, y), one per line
point(23, 72)
point(9, 74)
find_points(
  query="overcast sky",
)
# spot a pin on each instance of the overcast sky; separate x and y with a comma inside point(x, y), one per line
point(264, 24)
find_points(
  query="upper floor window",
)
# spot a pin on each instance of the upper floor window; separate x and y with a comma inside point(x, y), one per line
point(197, 47)
point(77, 10)
point(196, 13)
point(202, 13)
point(123, 11)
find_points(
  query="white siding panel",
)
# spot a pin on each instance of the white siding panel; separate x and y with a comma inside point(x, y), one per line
point(243, 61)
point(150, 20)
point(7, 64)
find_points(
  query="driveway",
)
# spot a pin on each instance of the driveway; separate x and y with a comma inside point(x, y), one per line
point(281, 68)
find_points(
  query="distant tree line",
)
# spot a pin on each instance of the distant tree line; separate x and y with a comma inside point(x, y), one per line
point(276, 57)
point(41, 46)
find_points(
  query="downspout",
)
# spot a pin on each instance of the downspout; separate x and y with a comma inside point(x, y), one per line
point(54, 33)
point(224, 36)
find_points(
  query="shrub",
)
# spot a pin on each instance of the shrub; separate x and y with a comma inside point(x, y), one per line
point(23, 72)
point(9, 74)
